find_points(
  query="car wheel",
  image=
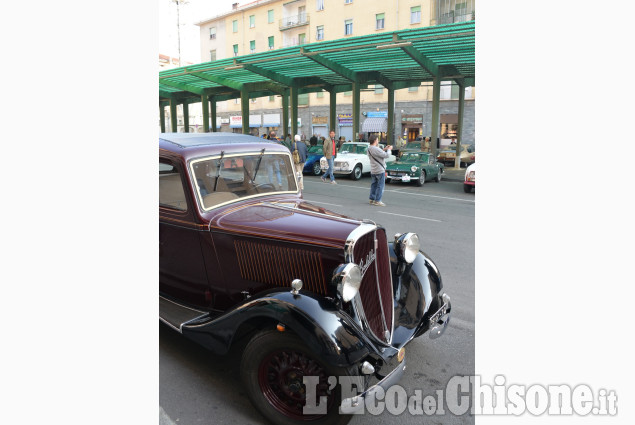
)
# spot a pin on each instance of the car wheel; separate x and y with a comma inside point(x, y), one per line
point(438, 177)
point(316, 169)
point(467, 188)
point(357, 172)
point(422, 179)
point(272, 368)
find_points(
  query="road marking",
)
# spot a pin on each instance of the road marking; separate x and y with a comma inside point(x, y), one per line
point(401, 191)
point(323, 203)
point(409, 216)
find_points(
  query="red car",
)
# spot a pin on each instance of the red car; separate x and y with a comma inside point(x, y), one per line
point(243, 259)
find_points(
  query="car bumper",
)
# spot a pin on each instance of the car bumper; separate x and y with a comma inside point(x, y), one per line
point(469, 183)
point(437, 324)
point(402, 178)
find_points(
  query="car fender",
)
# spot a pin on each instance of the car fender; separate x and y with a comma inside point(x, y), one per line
point(317, 321)
point(420, 284)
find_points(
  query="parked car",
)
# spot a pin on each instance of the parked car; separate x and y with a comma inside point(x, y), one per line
point(352, 159)
point(470, 180)
point(312, 164)
point(418, 167)
point(448, 155)
point(245, 261)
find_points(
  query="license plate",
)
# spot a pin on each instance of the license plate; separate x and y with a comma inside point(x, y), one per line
point(405, 178)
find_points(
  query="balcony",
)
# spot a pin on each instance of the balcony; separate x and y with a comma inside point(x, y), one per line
point(294, 21)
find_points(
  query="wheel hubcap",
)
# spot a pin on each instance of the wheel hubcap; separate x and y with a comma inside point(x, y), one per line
point(280, 377)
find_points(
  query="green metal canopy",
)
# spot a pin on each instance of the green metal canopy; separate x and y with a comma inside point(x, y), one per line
point(395, 60)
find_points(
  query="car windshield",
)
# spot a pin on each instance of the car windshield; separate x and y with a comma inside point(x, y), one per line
point(235, 176)
point(415, 157)
point(413, 145)
point(315, 149)
point(354, 148)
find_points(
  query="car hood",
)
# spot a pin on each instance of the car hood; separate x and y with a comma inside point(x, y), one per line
point(350, 156)
point(401, 166)
point(292, 220)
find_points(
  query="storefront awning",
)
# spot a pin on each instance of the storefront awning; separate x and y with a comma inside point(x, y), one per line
point(375, 125)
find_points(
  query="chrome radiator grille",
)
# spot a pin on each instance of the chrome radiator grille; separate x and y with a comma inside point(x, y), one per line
point(375, 293)
point(278, 266)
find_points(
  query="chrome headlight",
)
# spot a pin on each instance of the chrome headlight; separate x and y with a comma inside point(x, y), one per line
point(413, 168)
point(407, 246)
point(348, 278)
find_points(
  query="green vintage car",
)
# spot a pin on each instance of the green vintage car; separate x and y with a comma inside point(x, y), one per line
point(417, 167)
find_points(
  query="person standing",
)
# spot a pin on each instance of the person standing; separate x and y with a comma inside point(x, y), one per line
point(377, 157)
point(313, 140)
point(301, 148)
point(329, 150)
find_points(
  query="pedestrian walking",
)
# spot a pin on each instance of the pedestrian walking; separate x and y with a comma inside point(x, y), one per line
point(300, 148)
point(330, 152)
point(377, 157)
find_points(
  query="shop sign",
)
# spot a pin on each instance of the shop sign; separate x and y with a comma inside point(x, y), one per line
point(377, 114)
point(320, 120)
point(236, 121)
point(412, 118)
point(345, 119)
point(271, 120)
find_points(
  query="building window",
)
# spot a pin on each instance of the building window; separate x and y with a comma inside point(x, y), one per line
point(212, 33)
point(413, 89)
point(252, 100)
point(319, 33)
point(212, 55)
point(348, 2)
point(379, 21)
point(271, 98)
point(252, 46)
point(270, 16)
point(235, 50)
point(301, 39)
point(235, 26)
point(348, 27)
point(348, 93)
point(319, 94)
point(236, 101)
point(379, 89)
point(252, 21)
point(319, 5)
point(415, 15)
point(270, 42)
point(303, 99)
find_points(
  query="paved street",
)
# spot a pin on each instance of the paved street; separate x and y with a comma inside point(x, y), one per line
point(197, 387)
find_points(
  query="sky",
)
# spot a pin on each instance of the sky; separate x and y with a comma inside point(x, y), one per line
point(189, 13)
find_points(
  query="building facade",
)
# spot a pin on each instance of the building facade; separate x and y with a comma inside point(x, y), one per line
point(272, 24)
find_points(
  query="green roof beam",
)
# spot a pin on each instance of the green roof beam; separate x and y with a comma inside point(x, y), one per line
point(218, 80)
point(418, 57)
point(333, 66)
point(183, 86)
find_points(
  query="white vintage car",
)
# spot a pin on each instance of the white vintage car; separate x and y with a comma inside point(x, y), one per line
point(352, 159)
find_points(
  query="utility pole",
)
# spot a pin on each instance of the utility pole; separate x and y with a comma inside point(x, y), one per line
point(178, 25)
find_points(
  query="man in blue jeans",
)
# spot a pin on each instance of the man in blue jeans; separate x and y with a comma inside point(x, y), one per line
point(329, 150)
point(377, 158)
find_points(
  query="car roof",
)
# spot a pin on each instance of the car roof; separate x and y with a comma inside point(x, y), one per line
point(192, 145)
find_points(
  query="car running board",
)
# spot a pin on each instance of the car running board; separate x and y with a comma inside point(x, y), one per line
point(176, 315)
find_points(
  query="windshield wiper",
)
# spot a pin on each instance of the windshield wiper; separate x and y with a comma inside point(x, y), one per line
point(220, 160)
point(262, 153)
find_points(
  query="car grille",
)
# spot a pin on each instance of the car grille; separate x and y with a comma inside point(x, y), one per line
point(339, 164)
point(278, 265)
point(375, 292)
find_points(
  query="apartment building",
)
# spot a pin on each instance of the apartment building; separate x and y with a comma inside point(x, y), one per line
point(264, 25)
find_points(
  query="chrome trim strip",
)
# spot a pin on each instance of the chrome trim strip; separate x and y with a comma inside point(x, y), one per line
point(381, 300)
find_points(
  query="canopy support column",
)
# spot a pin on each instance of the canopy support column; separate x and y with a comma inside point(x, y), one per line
point(459, 132)
point(186, 117)
point(436, 95)
point(173, 121)
point(205, 106)
point(244, 110)
point(212, 101)
point(294, 112)
point(332, 110)
point(162, 117)
point(356, 111)
point(390, 131)
point(284, 125)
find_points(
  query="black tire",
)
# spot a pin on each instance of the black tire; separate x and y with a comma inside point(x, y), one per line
point(356, 174)
point(438, 177)
point(272, 367)
point(316, 169)
point(422, 179)
point(467, 188)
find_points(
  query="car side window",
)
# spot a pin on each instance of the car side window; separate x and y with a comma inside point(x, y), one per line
point(171, 193)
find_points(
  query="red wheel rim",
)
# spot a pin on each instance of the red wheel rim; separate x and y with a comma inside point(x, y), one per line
point(280, 376)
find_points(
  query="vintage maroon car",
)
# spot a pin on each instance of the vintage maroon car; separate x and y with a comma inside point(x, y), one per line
point(311, 293)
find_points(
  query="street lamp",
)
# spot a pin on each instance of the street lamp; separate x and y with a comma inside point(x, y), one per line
point(178, 24)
